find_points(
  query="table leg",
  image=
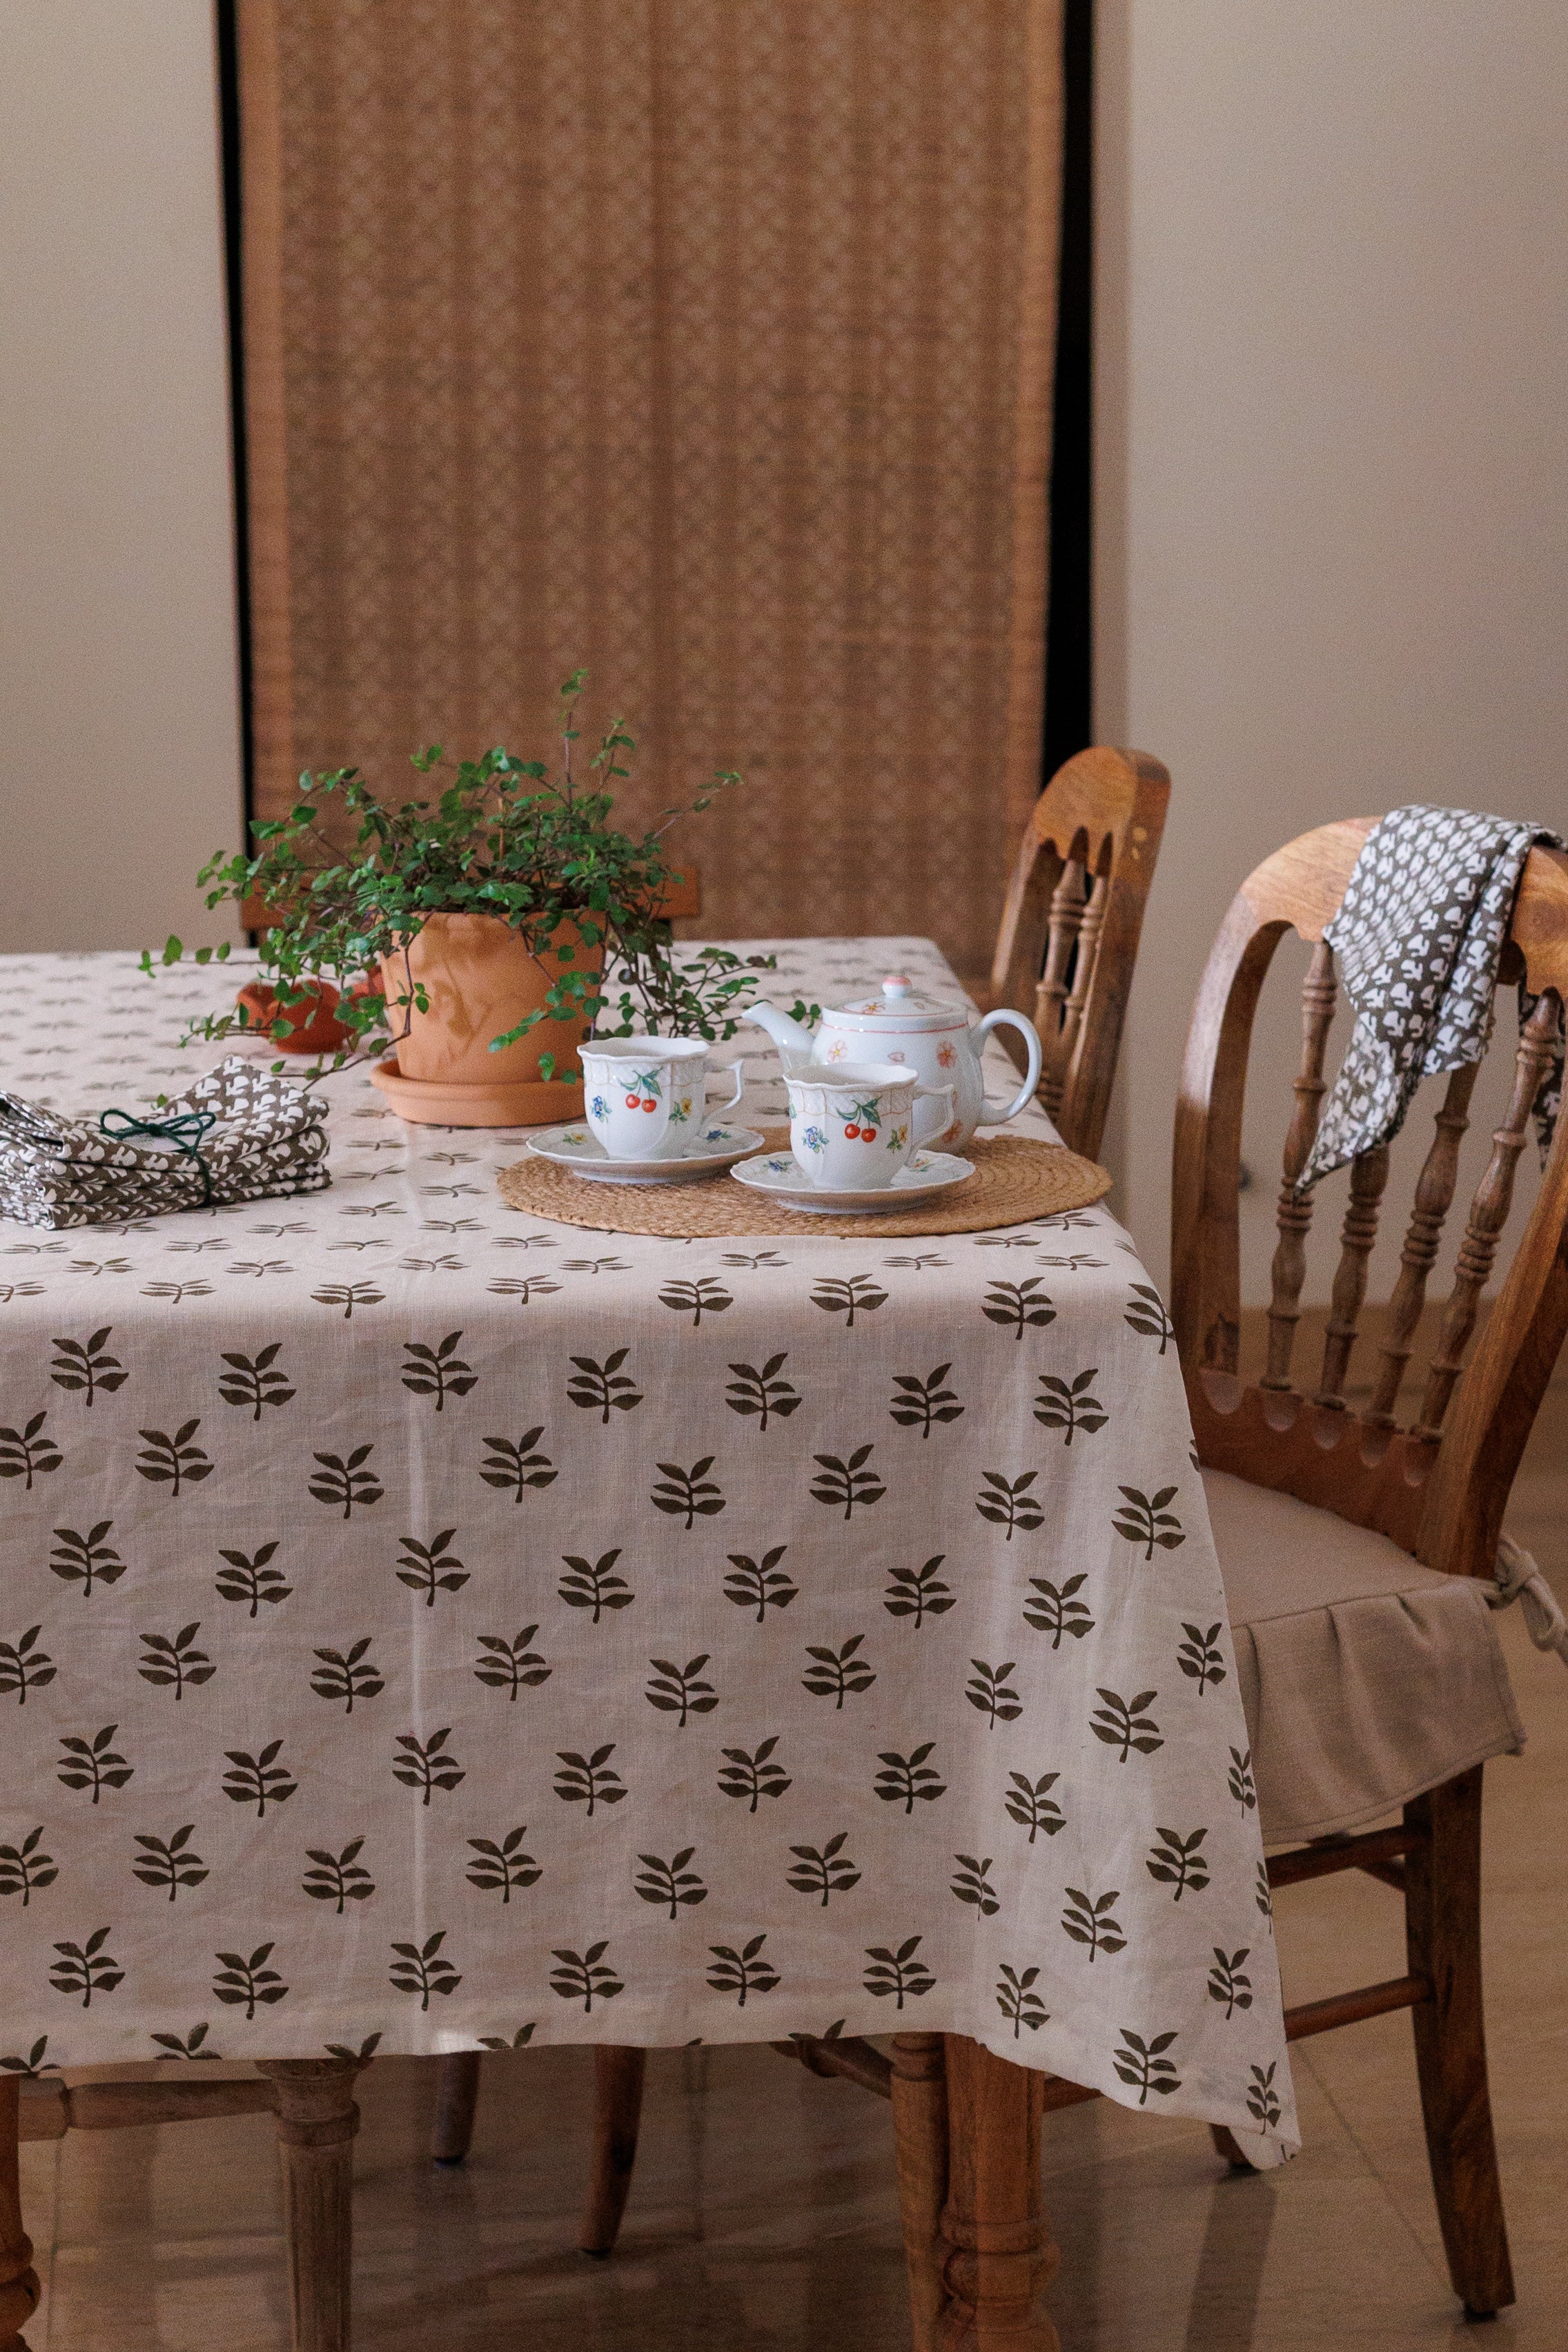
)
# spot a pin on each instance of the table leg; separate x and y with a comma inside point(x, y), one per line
point(18, 2280)
point(919, 2138)
point(618, 2113)
point(456, 2096)
point(317, 2120)
point(1000, 2256)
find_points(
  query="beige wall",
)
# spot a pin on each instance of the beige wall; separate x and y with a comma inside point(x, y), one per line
point(119, 721)
point(1333, 451)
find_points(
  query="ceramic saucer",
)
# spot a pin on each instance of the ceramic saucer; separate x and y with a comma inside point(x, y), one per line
point(928, 1175)
point(708, 1152)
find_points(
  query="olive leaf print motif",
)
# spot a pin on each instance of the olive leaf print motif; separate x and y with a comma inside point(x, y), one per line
point(1054, 1608)
point(28, 1453)
point(1090, 1920)
point(1262, 2098)
point(1031, 1805)
point(85, 1366)
point(1144, 1519)
point(190, 2045)
point(918, 1593)
point(343, 1478)
point(1122, 1724)
point(251, 1382)
point(822, 1872)
point(259, 1779)
point(1263, 1895)
point(86, 1559)
point(1199, 1655)
point(87, 1967)
point(424, 1969)
point(172, 1462)
point(24, 1667)
point(761, 1393)
point(1019, 1306)
point(1146, 1312)
point(33, 2066)
point(92, 1763)
point(594, 1585)
point(172, 1662)
point(338, 1878)
point(1243, 1787)
point(347, 1674)
point(859, 1295)
point(431, 1568)
point(348, 1296)
point(688, 1494)
point(1144, 2065)
point(604, 1388)
point(1229, 1985)
point(744, 1971)
point(510, 1665)
point(901, 1974)
point(497, 1868)
point(849, 1483)
point(438, 1371)
point(1017, 2003)
point(670, 1882)
point(248, 1984)
point(752, 1774)
point(971, 1883)
point(680, 1691)
point(906, 1780)
point(514, 1466)
point(586, 1977)
point(1008, 1503)
point(833, 1673)
point(989, 1690)
point(1176, 1862)
point(917, 1403)
point(173, 1863)
point(25, 1869)
point(425, 1764)
point(1070, 1406)
point(703, 1296)
point(589, 1780)
point(251, 1579)
point(760, 1584)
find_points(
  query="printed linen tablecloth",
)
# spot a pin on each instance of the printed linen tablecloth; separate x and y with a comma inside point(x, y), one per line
point(422, 1621)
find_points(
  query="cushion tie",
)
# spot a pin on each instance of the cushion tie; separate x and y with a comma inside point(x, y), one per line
point(1518, 1578)
point(186, 1132)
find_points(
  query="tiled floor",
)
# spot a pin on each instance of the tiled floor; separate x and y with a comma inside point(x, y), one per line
point(763, 2217)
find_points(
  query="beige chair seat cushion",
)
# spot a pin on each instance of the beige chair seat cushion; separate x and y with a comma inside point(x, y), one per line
point(1365, 1677)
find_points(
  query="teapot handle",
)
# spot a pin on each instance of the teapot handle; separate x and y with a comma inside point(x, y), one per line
point(995, 1114)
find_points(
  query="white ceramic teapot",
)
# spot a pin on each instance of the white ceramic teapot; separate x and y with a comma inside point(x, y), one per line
point(939, 1042)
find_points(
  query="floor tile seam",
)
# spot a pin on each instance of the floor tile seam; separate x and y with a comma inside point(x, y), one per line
point(1384, 2180)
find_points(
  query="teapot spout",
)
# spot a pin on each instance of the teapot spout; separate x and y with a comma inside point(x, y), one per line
point(793, 1041)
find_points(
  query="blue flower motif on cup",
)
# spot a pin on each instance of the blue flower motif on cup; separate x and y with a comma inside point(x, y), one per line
point(813, 1140)
point(599, 1108)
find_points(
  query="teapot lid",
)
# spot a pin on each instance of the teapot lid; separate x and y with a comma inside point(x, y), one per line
point(901, 1006)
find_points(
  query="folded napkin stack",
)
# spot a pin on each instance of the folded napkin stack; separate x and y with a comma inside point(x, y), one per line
point(239, 1134)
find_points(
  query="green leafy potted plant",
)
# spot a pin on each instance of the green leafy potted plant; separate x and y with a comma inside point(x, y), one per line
point(470, 930)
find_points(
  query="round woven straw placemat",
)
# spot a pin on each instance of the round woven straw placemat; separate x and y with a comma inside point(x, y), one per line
point(1015, 1177)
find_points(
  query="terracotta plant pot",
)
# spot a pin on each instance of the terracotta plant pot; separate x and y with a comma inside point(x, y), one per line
point(311, 1026)
point(480, 980)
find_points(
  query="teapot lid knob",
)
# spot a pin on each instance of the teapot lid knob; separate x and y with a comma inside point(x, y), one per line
point(897, 984)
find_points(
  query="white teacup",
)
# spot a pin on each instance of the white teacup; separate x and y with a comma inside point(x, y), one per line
point(853, 1127)
point(645, 1097)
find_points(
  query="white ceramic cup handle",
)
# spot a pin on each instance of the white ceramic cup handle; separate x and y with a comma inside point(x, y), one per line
point(740, 1069)
point(922, 1118)
point(994, 1114)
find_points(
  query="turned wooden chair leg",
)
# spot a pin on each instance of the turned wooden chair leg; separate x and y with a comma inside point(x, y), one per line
point(617, 2112)
point(456, 2095)
point(919, 2140)
point(1000, 2256)
point(317, 2120)
point(1443, 1935)
point(18, 2280)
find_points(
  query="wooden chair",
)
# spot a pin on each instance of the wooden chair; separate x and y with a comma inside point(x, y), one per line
point(1069, 940)
point(317, 2119)
point(1309, 1495)
point(1064, 957)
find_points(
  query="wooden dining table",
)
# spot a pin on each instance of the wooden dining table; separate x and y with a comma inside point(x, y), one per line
point(428, 1627)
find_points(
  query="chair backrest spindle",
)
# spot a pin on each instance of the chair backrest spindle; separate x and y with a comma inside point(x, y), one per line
point(1369, 1177)
point(1294, 1213)
point(1434, 1199)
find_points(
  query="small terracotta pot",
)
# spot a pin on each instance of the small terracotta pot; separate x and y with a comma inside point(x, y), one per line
point(311, 1026)
point(481, 979)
